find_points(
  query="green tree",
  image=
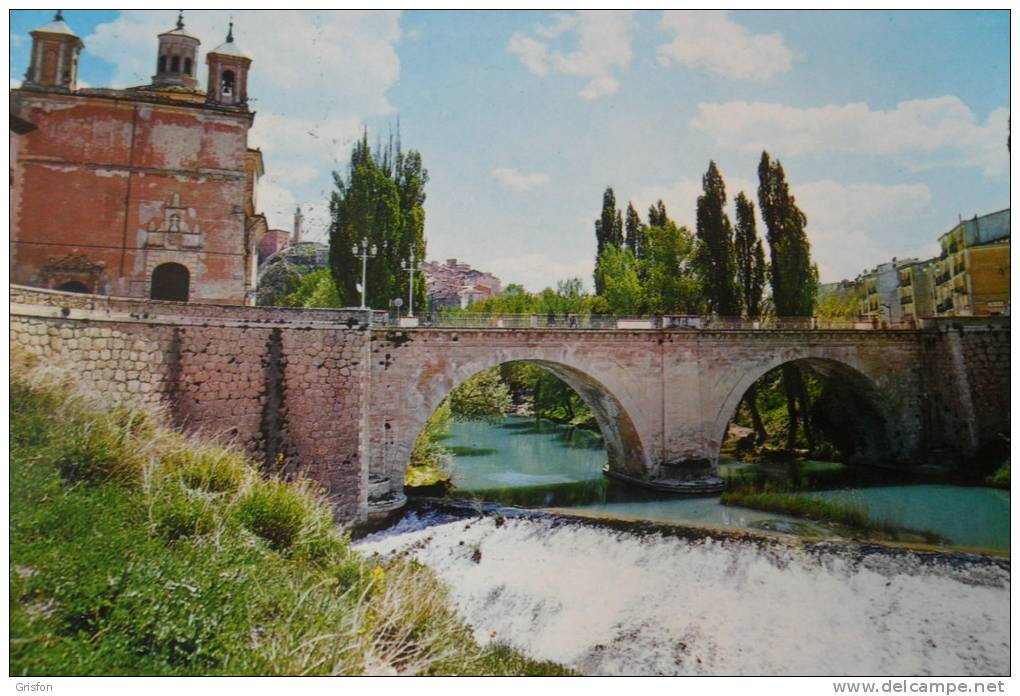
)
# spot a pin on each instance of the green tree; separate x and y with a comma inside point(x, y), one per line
point(840, 303)
point(570, 288)
point(715, 259)
point(794, 277)
point(668, 281)
point(635, 230)
point(616, 273)
point(751, 272)
point(608, 230)
point(657, 216)
point(751, 266)
point(316, 289)
point(380, 199)
point(482, 397)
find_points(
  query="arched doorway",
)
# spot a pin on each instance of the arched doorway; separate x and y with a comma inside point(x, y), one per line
point(170, 281)
point(74, 286)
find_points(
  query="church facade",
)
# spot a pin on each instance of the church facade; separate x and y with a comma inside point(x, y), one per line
point(141, 192)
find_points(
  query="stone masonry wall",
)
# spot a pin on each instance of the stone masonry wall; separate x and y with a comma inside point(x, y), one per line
point(967, 365)
point(283, 384)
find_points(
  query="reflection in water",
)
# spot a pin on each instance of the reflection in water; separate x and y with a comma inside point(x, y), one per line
point(521, 461)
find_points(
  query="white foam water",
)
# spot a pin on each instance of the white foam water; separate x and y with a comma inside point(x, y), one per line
point(611, 602)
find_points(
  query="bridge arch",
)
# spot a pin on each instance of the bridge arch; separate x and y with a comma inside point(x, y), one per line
point(625, 450)
point(869, 432)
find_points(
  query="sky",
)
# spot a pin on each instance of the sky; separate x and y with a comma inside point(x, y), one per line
point(889, 125)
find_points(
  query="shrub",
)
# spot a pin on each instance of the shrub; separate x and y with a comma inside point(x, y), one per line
point(276, 512)
point(104, 448)
point(210, 469)
point(181, 512)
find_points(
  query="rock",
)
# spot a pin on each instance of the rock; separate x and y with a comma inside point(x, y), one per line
point(286, 267)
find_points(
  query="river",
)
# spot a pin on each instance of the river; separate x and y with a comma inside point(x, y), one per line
point(519, 461)
point(615, 598)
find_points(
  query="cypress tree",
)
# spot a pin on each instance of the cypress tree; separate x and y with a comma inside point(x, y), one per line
point(716, 261)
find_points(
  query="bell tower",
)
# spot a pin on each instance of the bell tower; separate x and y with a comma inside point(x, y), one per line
point(176, 63)
point(55, 49)
point(228, 73)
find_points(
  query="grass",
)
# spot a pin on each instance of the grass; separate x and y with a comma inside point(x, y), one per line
point(853, 515)
point(137, 551)
point(1000, 478)
point(850, 516)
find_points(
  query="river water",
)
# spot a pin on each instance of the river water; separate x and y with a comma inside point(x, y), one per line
point(608, 598)
point(520, 461)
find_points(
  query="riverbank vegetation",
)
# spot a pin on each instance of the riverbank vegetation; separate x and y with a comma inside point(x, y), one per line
point(136, 550)
point(848, 516)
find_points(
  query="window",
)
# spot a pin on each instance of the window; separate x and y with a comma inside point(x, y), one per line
point(187, 66)
point(162, 64)
point(175, 64)
point(227, 83)
point(170, 282)
point(175, 223)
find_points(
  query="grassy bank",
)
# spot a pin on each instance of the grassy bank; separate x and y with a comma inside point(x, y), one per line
point(134, 550)
point(849, 516)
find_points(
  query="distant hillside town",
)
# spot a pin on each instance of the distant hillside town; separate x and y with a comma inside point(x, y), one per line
point(456, 284)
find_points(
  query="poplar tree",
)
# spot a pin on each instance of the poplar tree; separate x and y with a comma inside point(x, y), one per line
point(751, 267)
point(751, 271)
point(608, 232)
point(715, 259)
point(657, 216)
point(635, 230)
point(794, 277)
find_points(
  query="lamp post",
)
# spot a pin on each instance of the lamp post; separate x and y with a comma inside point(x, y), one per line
point(411, 270)
point(365, 252)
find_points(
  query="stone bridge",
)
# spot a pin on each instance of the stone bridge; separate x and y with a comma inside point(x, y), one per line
point(322, 394)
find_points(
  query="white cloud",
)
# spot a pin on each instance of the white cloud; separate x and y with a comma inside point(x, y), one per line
point(853, 227)
point(516, 180)
point(537, 271)
point(602, 46)
point(563, 23)
point(711, 41)
point(533, 54)
point(936, 132)
point(315, 77)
